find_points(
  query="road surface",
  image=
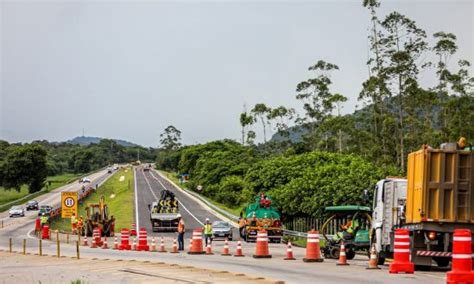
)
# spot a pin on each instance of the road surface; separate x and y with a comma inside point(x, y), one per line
point(149, 187)
point(275, 268)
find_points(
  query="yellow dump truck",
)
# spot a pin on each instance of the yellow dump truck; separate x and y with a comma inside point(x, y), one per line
point(436, 198)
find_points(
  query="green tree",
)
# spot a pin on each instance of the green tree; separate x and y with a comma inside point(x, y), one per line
point(245, 121)
point(171, 138)
point(261, 112)
point(25, 165)
point(404, 43)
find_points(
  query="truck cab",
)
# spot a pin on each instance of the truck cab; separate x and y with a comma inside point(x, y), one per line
point(388, 213)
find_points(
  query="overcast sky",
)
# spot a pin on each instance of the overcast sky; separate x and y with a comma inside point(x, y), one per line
point(123, 69)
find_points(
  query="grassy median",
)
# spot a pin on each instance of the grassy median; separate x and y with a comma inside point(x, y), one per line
point(119, 197)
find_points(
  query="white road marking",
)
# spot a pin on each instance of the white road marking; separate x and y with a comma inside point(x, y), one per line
point(149, 187)
point(137, 225)
point(29, 234)
point(180, 203)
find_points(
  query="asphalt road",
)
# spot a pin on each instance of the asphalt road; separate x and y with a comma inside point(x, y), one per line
point(149, 187)
point(276, 268)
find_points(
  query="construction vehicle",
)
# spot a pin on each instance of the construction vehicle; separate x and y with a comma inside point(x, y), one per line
point(436, 198)
point(262, 215)
point(358, 240)
point(164, 212)
point(97, 217)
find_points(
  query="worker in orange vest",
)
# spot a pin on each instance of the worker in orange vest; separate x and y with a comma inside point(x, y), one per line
point(181, 231)
point(74, 223)
point(241, 226)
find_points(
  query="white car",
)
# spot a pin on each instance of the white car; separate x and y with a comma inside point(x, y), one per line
point(16, 211)
point(85, 180)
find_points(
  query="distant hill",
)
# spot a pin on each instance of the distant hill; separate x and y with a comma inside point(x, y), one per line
point(86, 140)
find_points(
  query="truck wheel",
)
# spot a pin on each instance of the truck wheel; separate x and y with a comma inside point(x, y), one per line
point(441, 261)
point(350, 254)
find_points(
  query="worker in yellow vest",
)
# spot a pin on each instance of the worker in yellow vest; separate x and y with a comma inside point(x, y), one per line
point(74, 223)
point(208, 231)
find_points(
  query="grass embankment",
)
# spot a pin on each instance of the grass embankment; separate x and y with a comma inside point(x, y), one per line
point(8, 196)
point(232, 210)
point(118, 191)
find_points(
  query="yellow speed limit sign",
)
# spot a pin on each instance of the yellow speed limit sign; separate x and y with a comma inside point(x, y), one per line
point(68, 204)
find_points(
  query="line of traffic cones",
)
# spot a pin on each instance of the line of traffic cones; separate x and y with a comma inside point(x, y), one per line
point(238, 250)
point(162, 245)
point(289, 252)
point(342, 255)
point(175, 247)
point(209, 249)
point(373, 260)
point(226, 251)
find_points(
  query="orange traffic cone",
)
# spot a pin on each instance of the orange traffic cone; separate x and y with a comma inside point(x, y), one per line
point(342, 255)
point(401, 253)
point(175, 247)
point(313, 251)
point(261, 250)
point(85, 241)
point(209, 249)
point(153, 244)
point(116, 246)
point(238, 251)
point(461, 268)
point(373, 261)
point(162, 245)
point(226, 252)
point(105, 245)
point(93, 244)
point(134, 244)
point(289, 252)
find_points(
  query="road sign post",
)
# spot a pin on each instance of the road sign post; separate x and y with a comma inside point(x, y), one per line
point(68, 204)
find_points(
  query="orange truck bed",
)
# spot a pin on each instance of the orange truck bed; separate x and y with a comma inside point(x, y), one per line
point(440, 186)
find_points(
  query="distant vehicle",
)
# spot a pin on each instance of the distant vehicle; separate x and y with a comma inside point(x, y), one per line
point(222, 229)
point(32, 205)
point(17, 211)
point(146, 169)
point(164, 212)
point(85, 180)
point(46, 209)
point(109, 170)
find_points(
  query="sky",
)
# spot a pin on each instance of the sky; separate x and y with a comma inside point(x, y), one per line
point(128, 69)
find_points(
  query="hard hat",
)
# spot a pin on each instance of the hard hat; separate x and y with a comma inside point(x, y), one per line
point(43, 214)
point(179, 215)
point(207, 219)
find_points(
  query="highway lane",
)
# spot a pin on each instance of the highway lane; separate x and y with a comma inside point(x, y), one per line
point(277, 268)
point(149, 187)
point(14, 227)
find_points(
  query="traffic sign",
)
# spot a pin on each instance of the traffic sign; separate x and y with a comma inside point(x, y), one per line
point(68, 204)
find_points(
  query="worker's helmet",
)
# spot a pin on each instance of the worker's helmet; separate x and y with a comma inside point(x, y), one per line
point(179, 215)
point(44, 214)
point(207, 219)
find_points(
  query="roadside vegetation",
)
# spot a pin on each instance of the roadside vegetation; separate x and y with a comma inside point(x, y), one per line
point(8, 197)
point(26, 167)
point(119, 197)
point(319, 156)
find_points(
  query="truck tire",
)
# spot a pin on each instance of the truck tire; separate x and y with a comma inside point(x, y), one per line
point(441, 261)
point(350, 254)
